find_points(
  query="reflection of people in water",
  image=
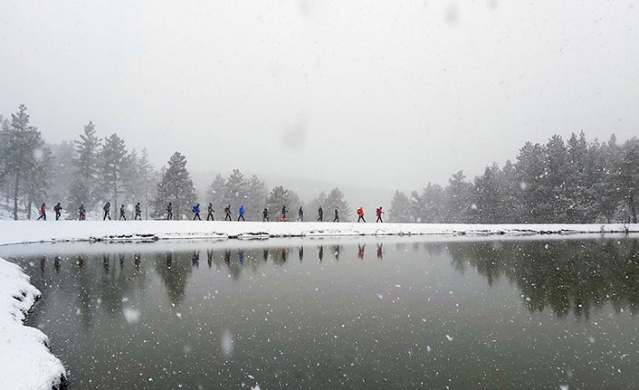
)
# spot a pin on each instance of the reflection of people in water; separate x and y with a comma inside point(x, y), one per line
point(121, 261)
point(265, 254)
point(196, 259)
point(380, 253)
point(227, 256)
point(300, 252)
point(169, 259)
point(321, 253)
point(360, 251)
point(284, 253)
point(80, 261)
point(136, 260)
point(42, 263)
point(209, 257)
point(240, 256)
point(336, 251)
point(105, 262)
point(56, 264)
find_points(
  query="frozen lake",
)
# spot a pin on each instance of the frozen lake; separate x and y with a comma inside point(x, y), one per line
point(360, 313)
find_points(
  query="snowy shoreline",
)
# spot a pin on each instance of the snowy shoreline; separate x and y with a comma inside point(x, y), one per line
point(20, 232)
point(25, 360)
point(27, 363)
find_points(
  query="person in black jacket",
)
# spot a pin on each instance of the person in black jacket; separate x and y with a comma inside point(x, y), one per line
point(210, 214)
point(169, 211)
point(138, 211)
point(107, 211)
point(320, 214)
point(57, 208)
point(122, 213)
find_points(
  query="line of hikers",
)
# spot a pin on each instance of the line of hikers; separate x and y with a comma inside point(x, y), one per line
point(265, 213)
point(209, 217)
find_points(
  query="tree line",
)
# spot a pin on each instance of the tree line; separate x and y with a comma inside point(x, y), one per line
point(558, 182)
point(91, 170)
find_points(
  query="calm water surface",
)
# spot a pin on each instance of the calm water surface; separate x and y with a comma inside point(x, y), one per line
point(327, 314)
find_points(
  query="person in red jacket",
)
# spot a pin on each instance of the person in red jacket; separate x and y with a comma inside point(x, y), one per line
point(360, 214)
point(43, 213)
point(379, 214)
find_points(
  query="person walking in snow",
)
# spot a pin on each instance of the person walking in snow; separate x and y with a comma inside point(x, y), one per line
point(284, 211)
point(265, 215)
point(320, 214)
point(210, 212)
point(300, 214)
point(107, 211)
point(57, 208)
point(43, 213)
point(138, 211)
point(360, 214)
point(169, 211)
point(227, 213)
point(122, 213)
point(196, 211)
point(336, 219)
point(82, 213)
point(240, 213)
point(379, 214)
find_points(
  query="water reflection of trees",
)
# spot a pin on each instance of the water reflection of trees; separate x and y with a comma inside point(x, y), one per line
point(565, 276)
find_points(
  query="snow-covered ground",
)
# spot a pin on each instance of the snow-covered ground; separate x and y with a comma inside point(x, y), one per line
point(13, 232)
point(25, 361)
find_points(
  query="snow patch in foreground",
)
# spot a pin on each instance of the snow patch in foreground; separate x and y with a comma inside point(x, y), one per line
point(25, 359)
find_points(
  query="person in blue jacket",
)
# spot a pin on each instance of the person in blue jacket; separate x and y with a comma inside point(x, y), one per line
point(196, 210)
point(241, 213)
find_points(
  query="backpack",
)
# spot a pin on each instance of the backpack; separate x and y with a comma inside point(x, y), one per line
point(194, 209)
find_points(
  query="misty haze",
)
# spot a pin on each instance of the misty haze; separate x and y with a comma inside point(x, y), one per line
point(382, 183)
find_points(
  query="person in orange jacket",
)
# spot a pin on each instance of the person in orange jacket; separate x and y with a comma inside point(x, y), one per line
point(360, 214)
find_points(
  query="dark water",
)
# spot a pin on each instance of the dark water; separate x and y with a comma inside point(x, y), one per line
point(304, 314)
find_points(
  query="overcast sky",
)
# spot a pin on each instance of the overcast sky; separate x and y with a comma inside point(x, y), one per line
point(383, 93)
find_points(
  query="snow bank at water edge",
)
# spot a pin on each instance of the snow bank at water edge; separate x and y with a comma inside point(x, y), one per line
point(13, 232)
point(25, 360)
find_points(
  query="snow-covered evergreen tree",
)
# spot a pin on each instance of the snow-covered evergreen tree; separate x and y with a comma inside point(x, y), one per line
point(433, 200)
point(86, 188)
point(278, 198)
point(400, 210)
point(215, 193)
point(458, 198)
point(335, 199)
point(146, 183)
point(24, 159)
point(115, 162)
point(176, 187)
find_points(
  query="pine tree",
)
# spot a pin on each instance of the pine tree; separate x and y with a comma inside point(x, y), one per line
point(314, 205)
point(277, 199)
point(433, 203)
point(62, 172)
point(487, 197)
point(215, 193)
point(114, 163)
point(335, 199)
point(146, 182)
point(530, 169)
point(85, 188)
point(24, 158)
point(256, 198)
point(176, 187)
point(458, 201)
point(236, 189)
point(400, 208)
point(628, 168)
